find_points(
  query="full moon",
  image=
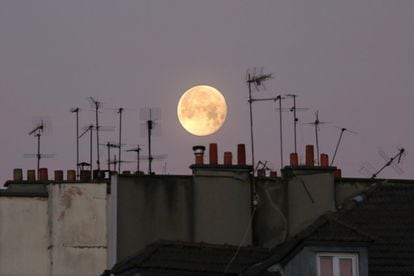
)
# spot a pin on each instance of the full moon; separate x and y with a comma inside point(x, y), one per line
point(202, 110)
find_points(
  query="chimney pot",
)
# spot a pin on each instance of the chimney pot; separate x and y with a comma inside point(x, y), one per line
point(85, 175)
point(126, 172)
point(17, 174)
point(273, 173)
point(71, 175)
point(309, 155)
point(324, 160)
point(58, 175)
point(43, 174)
point(261, 173)
point(228, 158)
point(213, 154)
point(199, 154)
point(31, 175)
point(241, 154)
point(338, 173)
point(294, 159)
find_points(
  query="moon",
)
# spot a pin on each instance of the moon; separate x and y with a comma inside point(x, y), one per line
point(202, 110)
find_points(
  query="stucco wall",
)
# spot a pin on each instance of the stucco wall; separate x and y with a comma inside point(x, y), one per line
point(23, 236)
point(150, 208)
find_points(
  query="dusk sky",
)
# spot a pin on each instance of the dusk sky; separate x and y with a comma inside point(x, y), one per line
point(351, 60)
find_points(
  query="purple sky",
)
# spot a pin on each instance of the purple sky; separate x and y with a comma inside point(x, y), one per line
point(351, 60)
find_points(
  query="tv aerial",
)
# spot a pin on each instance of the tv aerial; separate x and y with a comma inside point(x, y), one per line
point(108, 146)
point(255, 81)
point(76, 111)
point(40, 126)
point(151, 127)
point(342, 130)
point(295, 109)
point(137, 151)
point(316, 124)
point(391, 161)
point(96, 105)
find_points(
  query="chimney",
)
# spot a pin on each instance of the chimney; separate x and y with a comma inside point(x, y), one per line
point(126, 172)
point(261, 173)
point(338, 173)
point(324, 160)
point(294, 159)
point(43, 174)
point(213, 154)
point(309, 155)
point(17, 174)
point(71, 175)
point(59, 175)
point(31, 175)
point(273, 173)
point(228, 158)
point(85, 175)
point(199, 154)
point(241, 154)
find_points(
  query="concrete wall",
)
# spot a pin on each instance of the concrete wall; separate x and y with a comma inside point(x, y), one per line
point(149, 208)
point(24, 236)
point(222, 204)
point(77, 218)
point(63, 233)
point(270, 225)
point(310, 194)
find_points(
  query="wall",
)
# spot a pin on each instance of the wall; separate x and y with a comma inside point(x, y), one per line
point(310, 194)
point(222, 204)
point(23, 236)
point(61, 233)
point(147, 208)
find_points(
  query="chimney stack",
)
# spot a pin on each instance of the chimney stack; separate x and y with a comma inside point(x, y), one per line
point(199, 154)
point(324, 160)
point(31, 175)
point(241, 154)
point(309, 155)
point(213, 154)
point(59, 175)
point(294, 159)
point(228, 158)
point(17, 174)
point(71, 175)
point(43, 174)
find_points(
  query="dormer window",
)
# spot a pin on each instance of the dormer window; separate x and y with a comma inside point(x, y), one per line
point(337, 264)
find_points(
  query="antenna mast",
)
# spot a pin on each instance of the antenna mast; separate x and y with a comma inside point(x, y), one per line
point(120, 137)
point(89, 128)
point(96, 105)
point(398, 156)
point(137, 150)
point(76, 111)
point(339, 142)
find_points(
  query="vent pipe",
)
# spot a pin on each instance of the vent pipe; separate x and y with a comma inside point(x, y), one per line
point(199, 154)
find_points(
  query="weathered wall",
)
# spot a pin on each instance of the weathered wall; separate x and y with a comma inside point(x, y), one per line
point(150, 208)
point(62, 233)
point(222, 204)
point(78, 241)
point(270, 225)
point(23, 236)
point(310, 194)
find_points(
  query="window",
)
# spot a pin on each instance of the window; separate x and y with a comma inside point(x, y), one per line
point(337, 264)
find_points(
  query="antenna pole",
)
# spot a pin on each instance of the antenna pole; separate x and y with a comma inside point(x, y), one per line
point(281, 134)
point(337, 145)
point(90, 153)
point(76, 110)
point(249, 81)
point(109, 158)
point(97, 137)
point(138, 149)
point(149, 125)
point(120, 137)
point(317, 141)
point(295, 122)
point(38, 154)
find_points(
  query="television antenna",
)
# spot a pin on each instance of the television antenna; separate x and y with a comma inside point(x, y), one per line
point(390, 161)
point(294, 109)
point(316, 124)
point(255, 81)
point(76, 110)
point(137, 151)
point(150, 115)
point(154, 157)
point(37, 132)
point(108, 146)
point(279, 98)
point(97, 105)
point(342, 130)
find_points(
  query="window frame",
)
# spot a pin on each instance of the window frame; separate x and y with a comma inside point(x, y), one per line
point(336, 256)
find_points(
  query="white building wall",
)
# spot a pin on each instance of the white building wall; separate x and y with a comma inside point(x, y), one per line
point(23, 236)
point(64, 234)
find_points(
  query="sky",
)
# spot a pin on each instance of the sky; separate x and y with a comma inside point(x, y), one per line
point(350, 60)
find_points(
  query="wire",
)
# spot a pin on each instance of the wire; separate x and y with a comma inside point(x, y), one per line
point(242, 241)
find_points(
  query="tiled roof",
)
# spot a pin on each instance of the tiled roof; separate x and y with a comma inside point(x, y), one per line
point(387, 214)
point(381, 217)
point(192, 257)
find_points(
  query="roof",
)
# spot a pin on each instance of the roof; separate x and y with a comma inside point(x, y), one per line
point(194, 258)
point(382, 218)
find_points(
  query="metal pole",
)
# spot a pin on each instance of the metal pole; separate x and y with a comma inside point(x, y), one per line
point(149, 124)
point(77, 144)
point(119, 144)
point(251, 117)
point(295, 121)
point(38, 154)
point(317, 141)
point(281, 128)
point(109, 158)
point(337, 145)
point(97, 136)
point(91, 145)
